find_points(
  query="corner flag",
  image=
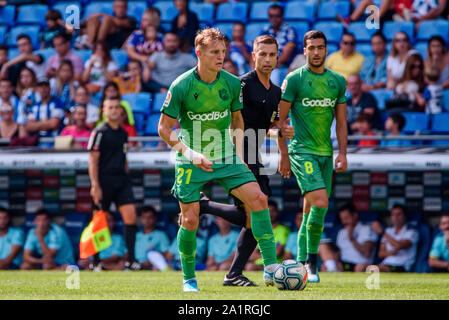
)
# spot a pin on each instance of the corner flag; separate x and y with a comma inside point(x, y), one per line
point(96, 237)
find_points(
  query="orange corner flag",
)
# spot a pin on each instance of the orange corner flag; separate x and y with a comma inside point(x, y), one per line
point(96, 236)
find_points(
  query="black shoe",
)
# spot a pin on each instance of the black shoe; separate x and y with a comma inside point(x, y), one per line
point(135, 266)
point(203, 197)
point(239, 281)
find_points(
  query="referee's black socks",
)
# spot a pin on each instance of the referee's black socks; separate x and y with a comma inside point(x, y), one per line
point(129, 233)
point(245, 247)
point(229, 212)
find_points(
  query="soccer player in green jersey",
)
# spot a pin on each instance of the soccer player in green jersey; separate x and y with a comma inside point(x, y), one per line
point(313, 95)
point(208, 101)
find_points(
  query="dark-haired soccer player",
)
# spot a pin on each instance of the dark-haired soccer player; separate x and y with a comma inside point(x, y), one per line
point(208, 102)
point(313, 95)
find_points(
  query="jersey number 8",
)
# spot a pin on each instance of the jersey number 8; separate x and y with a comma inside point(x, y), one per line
point(308, 166)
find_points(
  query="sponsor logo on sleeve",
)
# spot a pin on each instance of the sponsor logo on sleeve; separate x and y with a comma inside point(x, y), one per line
point(284, 86)
point(167, 100)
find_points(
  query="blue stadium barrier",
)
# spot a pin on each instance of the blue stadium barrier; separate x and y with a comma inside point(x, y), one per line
point(415, 121)
point(152, 124)
point(158, 101)
point(235, 11)
point(3, 32)
point(120, 57)
point(31, 30)
point(259, 11)
point(32, 14)
point(300, 10)
point(329, 9)
point(204, 11)
point(440, 123)
point(139, 102)
point(381, 95)
point(7, 15)
point(253, 30)
point(62, 7)
point(84, 54)
point(136, 9)
point(168, 10)
point(226, 28)
point(391, 28)
point(430, 28)
point(332, 29)
point(97, 7)
point(361, 32)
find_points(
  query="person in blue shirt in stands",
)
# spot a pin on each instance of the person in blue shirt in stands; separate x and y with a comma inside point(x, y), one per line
point(374, 68)
point(394, 125)
point(47, 246)
point(151, 245)
point(221, 246)
point(439, 254)
point(11, 243)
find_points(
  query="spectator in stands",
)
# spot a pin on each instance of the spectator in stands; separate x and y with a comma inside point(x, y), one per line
point(439, 254)
point(443, 5)
point(79, 129)
point(63, 84)
point(438, 56)
point(386, 11)
point(164, 67)
point(365, 127)
point(111, 90)
point(433, 93)
point(394, 125)
point(142, 50)
point(374, 68)
point(326, 253)
point(45, 117)
point(8, 127)
point(47, 246)
point(6, 95)
point(26, 87)
point(285, 35)
point(425, 10)
point(26, 58)
point(114, 29)
point(281, 233)
point(401, 49)
point(100, 68)
point(346, 61)
point(221, 246)
point(185, 25)
point(240, 51)
point(81, 39)
point(11, 242)
point(61, 43)
point(151, 245)
point(55, 25)
point(82, 98)
point(4, 60)
point(131, 80)
point(399, 242)
point(230, 66)
point(360, 102)
point(411, 86)
point(355, 241)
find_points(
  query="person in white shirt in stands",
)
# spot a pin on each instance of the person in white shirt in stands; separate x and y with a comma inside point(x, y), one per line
point(355, 241)
point(399, 243)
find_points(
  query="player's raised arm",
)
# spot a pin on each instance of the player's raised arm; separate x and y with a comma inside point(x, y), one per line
point(341, 163)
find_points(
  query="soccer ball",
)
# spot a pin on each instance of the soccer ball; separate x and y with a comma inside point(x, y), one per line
point(290, 275)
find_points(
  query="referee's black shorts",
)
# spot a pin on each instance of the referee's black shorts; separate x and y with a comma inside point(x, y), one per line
point(117, 189)
point(262, 180)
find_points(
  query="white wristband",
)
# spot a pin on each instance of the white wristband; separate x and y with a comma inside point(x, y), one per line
point(190, 154)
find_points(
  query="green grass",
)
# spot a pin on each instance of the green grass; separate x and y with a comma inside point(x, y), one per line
point(167, 285)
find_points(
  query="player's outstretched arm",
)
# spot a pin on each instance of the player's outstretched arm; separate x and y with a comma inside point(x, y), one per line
point(341, 163)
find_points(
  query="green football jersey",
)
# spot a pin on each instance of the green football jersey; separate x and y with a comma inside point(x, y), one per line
point(313, 97)
point(204, 112)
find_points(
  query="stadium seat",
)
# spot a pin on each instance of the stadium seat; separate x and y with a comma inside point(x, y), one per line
point(253, 30)
point(136, 9)
point(168, 10)
point(152, 124)
point(97, 7)
point(120, 57)
point(329, 9)
point(301, 28)
point(234, 11)
point(332, 29)
point(32, 14)
point(361, 32)
point(440, 123)
point(422, 255)
point(84, 54)
point(415, 121)
point(422, 49)
point(7, 15)
point(12, 53)
point(139, 102)
point(158, 101)
point(62, 6)
point(226, 28)
point(3, 31)
point(259, 11)
point(430, 28)
point(300, 10)
point(204, 11)
point(446, 100)
point(391, 28)
point(139, 122)
point(381, 95)
point(331, 48)
point(32, 31)
point(46, 53)
point(364, 49)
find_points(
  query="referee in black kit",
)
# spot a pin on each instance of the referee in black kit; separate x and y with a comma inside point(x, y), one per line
point(260, 112)
point(108, 171)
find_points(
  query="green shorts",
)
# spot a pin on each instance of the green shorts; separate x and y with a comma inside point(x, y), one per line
point(189, 180)
point(312, 172)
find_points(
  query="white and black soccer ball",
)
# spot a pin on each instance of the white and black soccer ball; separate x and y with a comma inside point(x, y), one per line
point(290, 275)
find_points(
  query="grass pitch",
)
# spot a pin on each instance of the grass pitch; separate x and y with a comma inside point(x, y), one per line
point(167, 286)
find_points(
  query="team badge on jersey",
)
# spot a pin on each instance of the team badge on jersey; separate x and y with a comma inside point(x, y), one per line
point(331, 84)
point(223, 93)
point(167, 100)
point(284, 86)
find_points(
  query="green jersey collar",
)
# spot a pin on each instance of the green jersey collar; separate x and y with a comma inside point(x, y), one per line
point(197, 76)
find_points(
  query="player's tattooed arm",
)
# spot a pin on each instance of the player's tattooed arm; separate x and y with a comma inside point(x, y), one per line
point(341, 163)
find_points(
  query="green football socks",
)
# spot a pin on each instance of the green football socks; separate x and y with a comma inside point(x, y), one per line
point(315, 226)
point(263, 233)
point(302, 239)
point(187, 251)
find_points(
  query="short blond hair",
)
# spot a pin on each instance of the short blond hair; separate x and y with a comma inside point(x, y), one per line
point(205, 36)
